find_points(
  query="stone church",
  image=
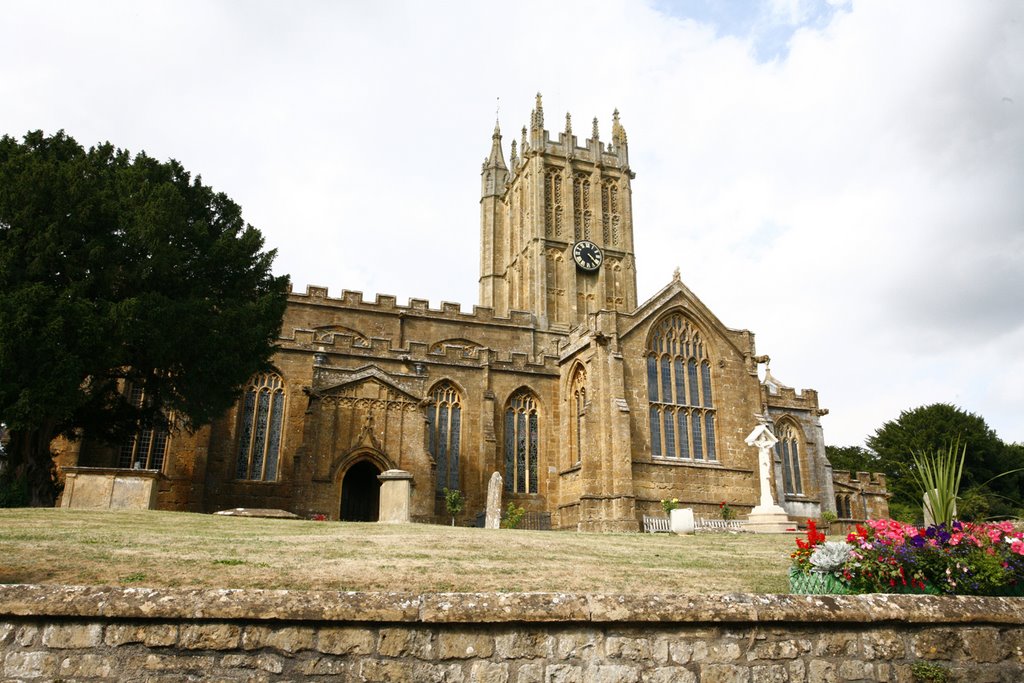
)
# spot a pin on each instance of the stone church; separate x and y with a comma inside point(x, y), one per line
point(592, 405)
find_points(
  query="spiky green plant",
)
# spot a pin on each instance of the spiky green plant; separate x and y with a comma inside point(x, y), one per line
point(937, 476)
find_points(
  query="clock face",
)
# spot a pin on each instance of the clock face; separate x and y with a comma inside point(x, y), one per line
point(587, 255)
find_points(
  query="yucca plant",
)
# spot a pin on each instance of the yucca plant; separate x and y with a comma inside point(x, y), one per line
point(937, 475)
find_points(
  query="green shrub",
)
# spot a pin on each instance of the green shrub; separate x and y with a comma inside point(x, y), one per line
point(453, 503)
point(13, 492)
point(512, 517)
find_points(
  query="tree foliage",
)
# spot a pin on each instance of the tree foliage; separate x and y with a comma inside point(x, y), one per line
point(120, 270)
point(933, 428)
point(851, 458)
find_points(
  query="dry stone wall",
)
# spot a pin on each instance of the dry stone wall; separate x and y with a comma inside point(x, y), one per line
point(125, 634)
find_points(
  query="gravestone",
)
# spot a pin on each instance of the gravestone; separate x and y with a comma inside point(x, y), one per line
point(493, 520)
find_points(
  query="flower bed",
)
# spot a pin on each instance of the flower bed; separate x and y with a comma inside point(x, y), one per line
point(886, 556)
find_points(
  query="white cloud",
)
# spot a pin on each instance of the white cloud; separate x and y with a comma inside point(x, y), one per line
point(842, 180)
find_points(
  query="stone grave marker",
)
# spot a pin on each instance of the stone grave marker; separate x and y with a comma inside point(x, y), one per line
point(493, 520)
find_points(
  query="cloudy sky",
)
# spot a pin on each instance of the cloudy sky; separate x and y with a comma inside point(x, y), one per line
point(846, 179)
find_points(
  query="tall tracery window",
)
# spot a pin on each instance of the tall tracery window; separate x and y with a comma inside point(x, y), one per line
point(610, 211)
point(521, 443)
point(582, 215)
point(788, 450)
point(679, 392)
point(259, 442)
point(578, 391)
point(146, 448)
point(444, 431)
point(552, 201)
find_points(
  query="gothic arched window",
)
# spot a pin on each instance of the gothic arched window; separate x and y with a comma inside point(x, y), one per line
point(679, 391)
point(444, 427)
point(521, 443)
point(788, 450)
point(262, 417)
point(145, 449)
point(578, 398)
point(552, 201)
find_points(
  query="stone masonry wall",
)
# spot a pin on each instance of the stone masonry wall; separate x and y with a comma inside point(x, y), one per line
point(135, 634)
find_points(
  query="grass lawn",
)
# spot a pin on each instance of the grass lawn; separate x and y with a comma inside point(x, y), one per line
point(174, 549)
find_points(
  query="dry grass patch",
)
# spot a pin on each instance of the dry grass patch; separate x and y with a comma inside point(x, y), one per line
point(174, 549)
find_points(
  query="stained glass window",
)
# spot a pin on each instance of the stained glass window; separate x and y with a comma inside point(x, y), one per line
point(259, 436)
point(145, 449)
point(444, 425)
point(680, 382)
point(709, 430)
point(705, 380)
point(684, 432)
point(670, 434)
point(694, 390)
point(666, 379)
point(679, 390)
point(652, 378)
point(510, 451)
point(522, 444)
point(698, 447)
point(655, 431)
point(788, 449)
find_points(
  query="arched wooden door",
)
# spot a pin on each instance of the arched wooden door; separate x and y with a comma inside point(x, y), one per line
point(360, 493)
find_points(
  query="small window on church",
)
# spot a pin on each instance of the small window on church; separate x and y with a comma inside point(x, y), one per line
point(146, 448)
point(789, 452)
point(444, 431)
point(521, 444)
point(679, 390)
point(579, 400)
point(262, 418)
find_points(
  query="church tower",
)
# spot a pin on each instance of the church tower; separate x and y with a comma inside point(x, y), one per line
point(557, 227)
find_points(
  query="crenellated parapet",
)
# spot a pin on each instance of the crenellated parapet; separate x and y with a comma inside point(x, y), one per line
point(387, 304)
point(865, 481)
point(787, 398)
point(521, 362)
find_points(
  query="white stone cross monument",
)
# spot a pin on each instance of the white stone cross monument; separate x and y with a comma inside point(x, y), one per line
point(767, 516)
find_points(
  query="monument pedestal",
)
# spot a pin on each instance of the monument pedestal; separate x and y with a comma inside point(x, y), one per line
point(395, 496)
point(768, 519)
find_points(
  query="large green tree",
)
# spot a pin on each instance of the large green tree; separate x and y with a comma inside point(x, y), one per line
point(935, 427)
point(120, 270)
point(851, 458)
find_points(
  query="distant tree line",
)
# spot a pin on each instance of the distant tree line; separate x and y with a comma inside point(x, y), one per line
point(985, 491)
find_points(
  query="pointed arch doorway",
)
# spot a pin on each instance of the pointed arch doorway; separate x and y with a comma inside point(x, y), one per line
point(360, 493)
